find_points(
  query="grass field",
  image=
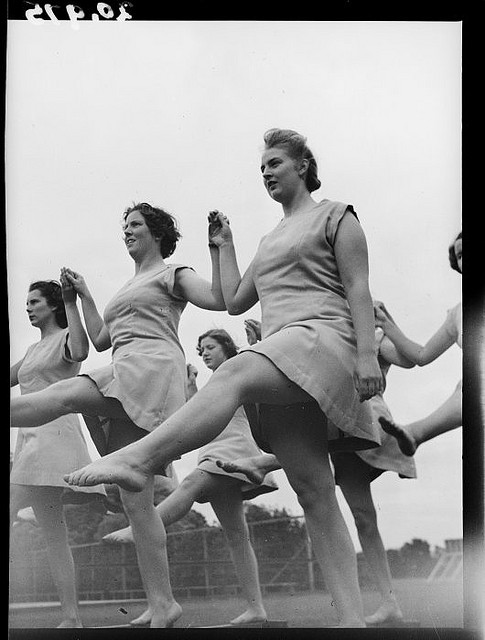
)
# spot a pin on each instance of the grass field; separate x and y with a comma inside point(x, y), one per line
point(433, 605)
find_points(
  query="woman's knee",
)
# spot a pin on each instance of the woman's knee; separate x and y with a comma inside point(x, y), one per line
point(69, 393)
point(365, 520)
point(312, 490)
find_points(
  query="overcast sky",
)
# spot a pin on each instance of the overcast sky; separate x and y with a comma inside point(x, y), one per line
point(173, 113)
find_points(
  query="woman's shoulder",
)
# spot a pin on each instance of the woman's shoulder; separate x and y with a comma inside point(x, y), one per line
point(331, 213)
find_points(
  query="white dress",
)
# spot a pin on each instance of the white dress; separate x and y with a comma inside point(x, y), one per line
point(43, 455)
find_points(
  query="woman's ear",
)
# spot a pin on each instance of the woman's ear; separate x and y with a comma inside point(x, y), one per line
point(304, 164)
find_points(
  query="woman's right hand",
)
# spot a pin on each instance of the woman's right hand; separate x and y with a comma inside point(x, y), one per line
point(76, 281)
point(219, 230)
point(253, 331)
point(382, 316)
point(192, 373)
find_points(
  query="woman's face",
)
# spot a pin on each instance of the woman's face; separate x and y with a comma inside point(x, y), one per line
point(458, 253)
point(212, 353)
point(137, 235)
point(38, 309)
point(280, 174)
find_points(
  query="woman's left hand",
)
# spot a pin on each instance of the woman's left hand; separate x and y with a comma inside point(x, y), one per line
point(219, 230)
point(68, 292)
point(368, 378)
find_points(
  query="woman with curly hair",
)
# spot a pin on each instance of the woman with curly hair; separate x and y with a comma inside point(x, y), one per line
point(43, 456)
point(225, 491)
point(145, 382)
point(311, 372)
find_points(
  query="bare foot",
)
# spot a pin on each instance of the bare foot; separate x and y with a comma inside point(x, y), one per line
point(121, 536)
point(246, 466)
point(70, 623)
point(143, 620)
point(405, 440)
point(165, 619)
point(256, 615)
point(387, 613)
point(123, 467)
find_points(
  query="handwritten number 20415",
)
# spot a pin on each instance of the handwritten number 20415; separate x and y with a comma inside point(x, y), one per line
point(75, 12)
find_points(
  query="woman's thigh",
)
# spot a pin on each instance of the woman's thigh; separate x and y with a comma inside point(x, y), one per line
point(257, 380)
point(298, 438)
point(82, 395)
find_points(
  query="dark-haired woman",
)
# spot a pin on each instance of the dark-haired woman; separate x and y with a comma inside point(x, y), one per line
point(448, 416)
point(43, 456)
point(225, 492)
point(311, 372)
point(145, 381)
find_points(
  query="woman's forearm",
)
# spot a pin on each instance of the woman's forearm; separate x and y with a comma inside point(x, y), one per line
point(78, 340)
point(230, 276)
point(94, 324)
point(216, 286)
point(410, 349)
point(362, 312)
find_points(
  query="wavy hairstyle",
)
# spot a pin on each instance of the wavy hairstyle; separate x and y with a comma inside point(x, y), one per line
point(162, 225)
point(452, 255)
point(51, 291)
point(223, 338)
point(297, 148)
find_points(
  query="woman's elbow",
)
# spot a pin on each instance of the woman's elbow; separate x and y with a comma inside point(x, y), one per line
point(235, 309)
point(80, 356)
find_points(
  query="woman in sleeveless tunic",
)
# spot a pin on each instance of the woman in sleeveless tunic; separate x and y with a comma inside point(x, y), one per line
point(447, 416)
point(43, 456)
point(145, 381)
point(316, 361)
point(225, 492)
point(354, 472)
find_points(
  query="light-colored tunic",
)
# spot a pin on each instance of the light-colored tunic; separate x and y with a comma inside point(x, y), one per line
point(307, 329)
point(234, 442)
point(43, 455)
point(147, 372)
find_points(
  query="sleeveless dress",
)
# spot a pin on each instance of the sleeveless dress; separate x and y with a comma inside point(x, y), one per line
point(43, 455)
point(307, 329)
point(387, 457)
point(147, 372)
point(234, 442)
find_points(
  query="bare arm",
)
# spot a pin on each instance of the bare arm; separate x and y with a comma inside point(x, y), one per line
point(388, 351)
point(14, 371)
point(201, 292)
point(77, 342)
point(239, 292)
point(97, 330)
point(352, 262)
point(416, 353)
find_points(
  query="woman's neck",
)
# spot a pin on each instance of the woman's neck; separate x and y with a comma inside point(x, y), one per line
point(300, 202)
point(49, 329)
point(149, 262)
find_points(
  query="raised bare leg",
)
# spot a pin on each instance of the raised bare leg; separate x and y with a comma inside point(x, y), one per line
point(74, 395)
point(254, 468)
point(246, 378)
point(446, 418)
